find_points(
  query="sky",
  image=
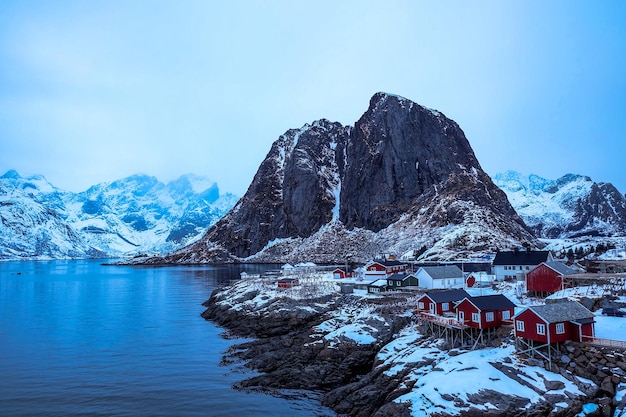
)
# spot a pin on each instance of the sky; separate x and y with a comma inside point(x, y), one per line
point(94, 91)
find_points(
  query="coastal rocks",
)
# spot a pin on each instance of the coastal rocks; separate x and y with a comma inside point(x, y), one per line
point(326, 346)
point(367, 358)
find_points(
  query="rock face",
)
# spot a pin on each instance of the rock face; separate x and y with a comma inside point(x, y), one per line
point(403, 177)
point(570, 207)
point(398, 152)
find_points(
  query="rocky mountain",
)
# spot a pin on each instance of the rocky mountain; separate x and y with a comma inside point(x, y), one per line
point(402, 178)
point(570, 207)
point(133, 215)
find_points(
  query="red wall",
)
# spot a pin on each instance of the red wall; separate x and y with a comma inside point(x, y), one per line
point(543, 279)
point(468, 308)
point(530, 329)
point(376, 267)
point(427, 302)
point(530, 320)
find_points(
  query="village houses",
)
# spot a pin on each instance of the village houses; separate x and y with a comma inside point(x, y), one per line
point(514, 265)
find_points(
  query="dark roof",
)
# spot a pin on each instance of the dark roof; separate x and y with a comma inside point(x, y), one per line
point(491, 302)
point(447, 295)
point(561, 268)
point(378, 283)
point(398, 277)
point(444, 271)
point(388, 263)
point(533, 257)
point(562, 311)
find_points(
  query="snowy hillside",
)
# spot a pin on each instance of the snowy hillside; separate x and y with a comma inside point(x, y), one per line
point(133, 215)
point(568, 211)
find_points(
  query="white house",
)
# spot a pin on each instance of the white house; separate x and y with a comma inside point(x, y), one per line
point(446, 276)
point(514, 265)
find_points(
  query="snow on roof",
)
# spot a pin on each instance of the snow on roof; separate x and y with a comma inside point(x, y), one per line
point(561, 268)
point(443, 271)
point(378, 283)
point(561, 311)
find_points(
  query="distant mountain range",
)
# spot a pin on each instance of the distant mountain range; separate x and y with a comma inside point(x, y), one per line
point(570, 207)
point(402, 180)
point(134, 215)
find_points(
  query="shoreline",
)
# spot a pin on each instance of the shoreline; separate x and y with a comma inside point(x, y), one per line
point(367, 357)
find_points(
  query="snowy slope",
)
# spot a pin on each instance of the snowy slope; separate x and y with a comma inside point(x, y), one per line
point(132, 215)
point(570, 206)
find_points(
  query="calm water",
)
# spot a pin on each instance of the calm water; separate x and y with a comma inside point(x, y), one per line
point(79, 338)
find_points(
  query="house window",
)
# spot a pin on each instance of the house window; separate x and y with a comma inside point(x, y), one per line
point(541, 328)
point(489, 316)
point(420, 305)
point(506, 315)
point(560, 328)
point(445, 306)
point(475, 317)
point(519, 325)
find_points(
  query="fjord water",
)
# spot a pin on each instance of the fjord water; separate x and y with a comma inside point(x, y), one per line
point(81, 338)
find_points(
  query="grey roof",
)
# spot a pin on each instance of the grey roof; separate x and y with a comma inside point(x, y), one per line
point(491, 302)
point(561, 268)
point(533, 257)
point(447, 295)
point(562, 311)
point(398, 277)
point(444, 271)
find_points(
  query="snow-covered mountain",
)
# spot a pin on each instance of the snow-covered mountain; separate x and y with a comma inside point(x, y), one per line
point(403, 179)
point(133, 215)
point(569, 207)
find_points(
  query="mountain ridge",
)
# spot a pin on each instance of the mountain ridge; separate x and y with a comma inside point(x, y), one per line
point(404, 176)
point(570, 207)
point(125, 217)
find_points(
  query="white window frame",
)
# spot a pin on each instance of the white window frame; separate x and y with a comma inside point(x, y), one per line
point(445, 307)
point(475, 318)
point(506, 315)
point(519, 325)
point(420, 305)
point(490, 316)
point(560, 328)
point(541, 329)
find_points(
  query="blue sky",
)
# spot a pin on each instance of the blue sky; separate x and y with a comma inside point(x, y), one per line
point(93, 91)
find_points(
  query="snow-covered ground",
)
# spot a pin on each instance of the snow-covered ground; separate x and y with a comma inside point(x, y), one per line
point(436, 379)
point(452, 383)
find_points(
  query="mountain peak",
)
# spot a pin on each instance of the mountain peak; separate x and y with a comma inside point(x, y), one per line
point(402, 177)
point(12, 174)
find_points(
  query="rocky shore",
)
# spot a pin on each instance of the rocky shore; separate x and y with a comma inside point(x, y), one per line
point(367, 357)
